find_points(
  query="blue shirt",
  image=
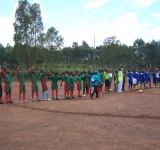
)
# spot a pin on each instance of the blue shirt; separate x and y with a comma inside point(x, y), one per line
point(95, 80)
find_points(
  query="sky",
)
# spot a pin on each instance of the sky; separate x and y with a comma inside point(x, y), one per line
point(81, 20)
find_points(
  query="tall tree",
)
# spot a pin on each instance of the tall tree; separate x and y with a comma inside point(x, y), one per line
point(54, 41)
point(36, 27)
point(2, 53)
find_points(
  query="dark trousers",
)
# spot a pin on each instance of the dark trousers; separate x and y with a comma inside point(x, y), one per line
point(0, 90)
point(95, 91)
point(123, 85)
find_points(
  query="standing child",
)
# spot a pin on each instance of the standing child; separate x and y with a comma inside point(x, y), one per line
point(100, 74)
point(116, 81)
point(54, 85)
point(66, 79)
point(72, 81)
point(78, 80)
point(44, 85)
point(130, 80)
point(34, 85)
point(1, 89)
point(22, 87)
point(7, 86)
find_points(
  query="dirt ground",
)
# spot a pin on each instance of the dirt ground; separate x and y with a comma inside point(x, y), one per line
point(124, 121)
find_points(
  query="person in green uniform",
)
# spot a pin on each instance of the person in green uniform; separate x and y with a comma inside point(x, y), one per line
point(78, 80)
point(99, 84)
point(54, 77)
point(22, 86)
point(66, 79)
point(72, 81)
point(7, 86)
point(44, 85)
point(34, 85)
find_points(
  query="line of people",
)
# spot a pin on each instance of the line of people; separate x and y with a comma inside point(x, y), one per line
point(84, 81)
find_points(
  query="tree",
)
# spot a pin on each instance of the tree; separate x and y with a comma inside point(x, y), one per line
point(139, 47)
point(36, 27)
point(54, 41)
point(2, 53)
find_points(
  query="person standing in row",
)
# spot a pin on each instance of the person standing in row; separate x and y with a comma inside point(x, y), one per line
point(116, 81)
point(44, 85)
point(22, 86)
point(7, 86)
point(54, 85)
point(120, 79)
point(34, 85)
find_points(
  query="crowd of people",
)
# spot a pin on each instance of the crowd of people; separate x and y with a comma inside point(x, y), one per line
point(88, 82)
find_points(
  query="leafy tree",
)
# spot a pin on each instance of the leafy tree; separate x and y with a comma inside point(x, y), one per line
point(54, 41)
point(2, 53)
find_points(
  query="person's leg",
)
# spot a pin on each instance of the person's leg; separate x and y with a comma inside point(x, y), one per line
point(20, 96)
point(47, 95)
point(24, 96)
point(10, 99)
point(1, 102)
point(56, 94)
point(84, 91)
point(37, 96)
point(43, 95)
point(32, 96)
point(52, 94)
point(96, 89)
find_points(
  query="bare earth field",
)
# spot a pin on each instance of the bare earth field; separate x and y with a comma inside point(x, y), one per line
point(125, 121)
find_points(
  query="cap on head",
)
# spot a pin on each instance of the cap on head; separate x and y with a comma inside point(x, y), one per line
point(95, 72)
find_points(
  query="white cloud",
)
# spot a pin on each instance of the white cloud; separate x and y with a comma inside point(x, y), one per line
point(95, 4)
point(156, 15)
point(6, 28)
point(127, 28)
point(142, 3)
point(104, 23)
point(44, 15)
point(36, 1)
point(82, 20)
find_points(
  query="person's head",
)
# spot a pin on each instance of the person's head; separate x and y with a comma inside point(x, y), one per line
point(42, 71)
point(73, 74)
point(67, 72)
point(7, 72)
point(56, 74)
point(33, 73)
point(95, 72)
point(21, 73)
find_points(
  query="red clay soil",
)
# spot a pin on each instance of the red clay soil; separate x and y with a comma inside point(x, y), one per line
point(124, 121)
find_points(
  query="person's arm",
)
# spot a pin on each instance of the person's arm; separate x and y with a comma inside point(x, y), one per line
point(17, 74)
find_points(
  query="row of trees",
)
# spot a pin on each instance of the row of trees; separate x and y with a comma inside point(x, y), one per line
point(33, 46)
point(110, 54)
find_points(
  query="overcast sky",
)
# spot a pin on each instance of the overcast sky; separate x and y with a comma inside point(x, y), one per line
point(78, 20)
